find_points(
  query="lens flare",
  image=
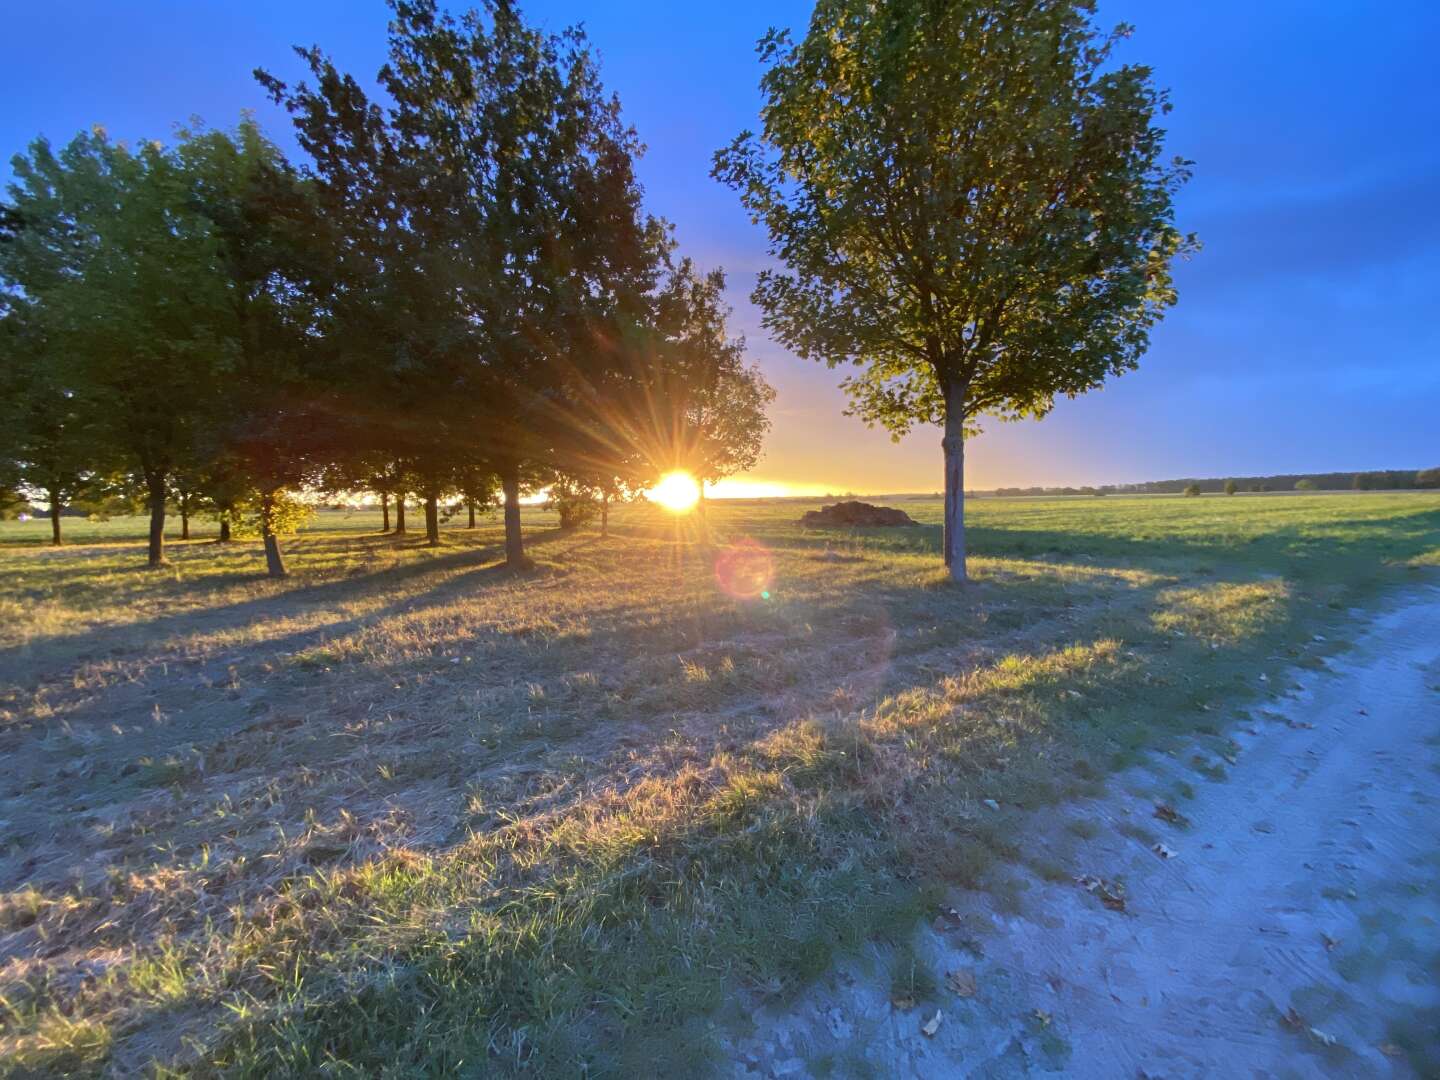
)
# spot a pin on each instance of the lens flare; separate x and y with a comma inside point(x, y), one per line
point(677, 492)
point(745, 570)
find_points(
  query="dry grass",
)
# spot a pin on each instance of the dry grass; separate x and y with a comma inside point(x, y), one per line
point(404, 813)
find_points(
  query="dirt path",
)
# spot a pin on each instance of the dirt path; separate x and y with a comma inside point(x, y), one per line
point(1295, 932)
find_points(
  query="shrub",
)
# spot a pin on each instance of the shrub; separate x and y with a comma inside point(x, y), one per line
point(1192, 490)
point(288, 516)
point(1305, 484)
point(1231, 487)
point(575, 502)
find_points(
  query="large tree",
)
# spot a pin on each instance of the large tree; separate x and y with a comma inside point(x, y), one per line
point(492, 220)
point(44, 438)
point(970, 203)
point(122, 278)
point(264, 225)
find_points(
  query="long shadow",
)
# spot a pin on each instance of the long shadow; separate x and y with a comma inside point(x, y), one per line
point(338, 590)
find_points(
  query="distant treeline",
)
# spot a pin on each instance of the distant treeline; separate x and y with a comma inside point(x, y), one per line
point(1384, 480)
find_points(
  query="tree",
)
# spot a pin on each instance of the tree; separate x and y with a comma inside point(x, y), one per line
point(123, 279)
point(1231, 487)
point(263, 222)
point(493, 234)
point(1427, 478)
point(970, 204)
point(718, 401)
point(44, 439)
point(1192, 490)
point(1305, 484)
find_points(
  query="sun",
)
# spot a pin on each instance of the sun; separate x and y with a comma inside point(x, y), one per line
point(677, 492)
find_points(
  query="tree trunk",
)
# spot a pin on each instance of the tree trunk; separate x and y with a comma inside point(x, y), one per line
point(274, 560)
point(953, 444)
point(432, 518)
point(225, 527)
point(470, 505)
point(155, 481)
point(605, 514)
point(399, 513)
point(514, 541)
point(184, 517)
point(384, 511)
point(54, 517)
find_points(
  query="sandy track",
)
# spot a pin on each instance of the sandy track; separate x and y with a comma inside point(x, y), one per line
point(1296, 932)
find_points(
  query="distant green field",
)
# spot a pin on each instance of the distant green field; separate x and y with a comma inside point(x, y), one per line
point(406, 813)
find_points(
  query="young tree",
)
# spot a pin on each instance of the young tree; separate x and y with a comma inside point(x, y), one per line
point(1192, 490)
point(970, 204)
point(719, 401)
point(1231, 487)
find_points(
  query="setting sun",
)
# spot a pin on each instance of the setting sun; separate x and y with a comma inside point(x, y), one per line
point(677, 492)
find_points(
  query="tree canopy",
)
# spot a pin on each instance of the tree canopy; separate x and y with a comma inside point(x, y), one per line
point(970, 204)
point(455, 290)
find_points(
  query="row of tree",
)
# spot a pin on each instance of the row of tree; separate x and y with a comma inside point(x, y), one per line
point(1361, 481)
point(458, 292)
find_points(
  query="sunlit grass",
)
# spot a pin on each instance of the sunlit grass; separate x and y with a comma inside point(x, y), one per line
point(404, 813)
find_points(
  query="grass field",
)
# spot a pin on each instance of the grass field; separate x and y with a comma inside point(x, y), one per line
point(403, 813)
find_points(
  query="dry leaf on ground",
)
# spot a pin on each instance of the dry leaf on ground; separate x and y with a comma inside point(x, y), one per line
point(962, 982)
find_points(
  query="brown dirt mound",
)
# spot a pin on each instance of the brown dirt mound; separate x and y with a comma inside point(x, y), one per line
point(856, 513)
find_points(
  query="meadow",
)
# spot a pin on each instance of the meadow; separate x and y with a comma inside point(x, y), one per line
point(405, 813)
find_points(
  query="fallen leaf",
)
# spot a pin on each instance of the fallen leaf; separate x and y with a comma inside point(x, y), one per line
point(992, 804)
point(1164, 852)
point(1293, 1020)
point(1041, 1017)
point(902, 1002)
point(931, 1026)
point(1390, 1050)
point(962, 982)
point(1329, 941)
point(1323, 1038)
point(1166, 812)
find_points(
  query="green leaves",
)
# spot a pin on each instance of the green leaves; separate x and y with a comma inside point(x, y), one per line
point(964, 193)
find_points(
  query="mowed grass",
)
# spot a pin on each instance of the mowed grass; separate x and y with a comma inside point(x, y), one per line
point(406, 814)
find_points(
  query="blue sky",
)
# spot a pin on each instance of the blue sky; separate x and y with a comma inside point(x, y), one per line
point(1306, 337)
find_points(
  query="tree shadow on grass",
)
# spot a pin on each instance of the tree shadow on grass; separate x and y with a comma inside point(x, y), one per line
point(120, 639)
